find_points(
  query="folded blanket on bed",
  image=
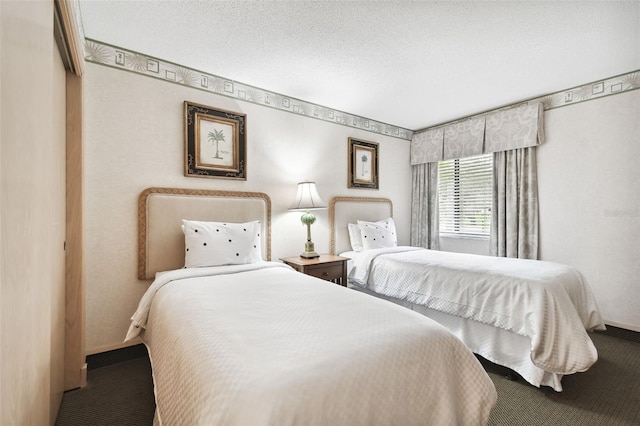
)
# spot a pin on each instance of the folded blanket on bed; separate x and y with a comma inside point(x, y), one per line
point(548, 302)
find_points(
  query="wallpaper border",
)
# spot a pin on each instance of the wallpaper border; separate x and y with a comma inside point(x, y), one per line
point(117, 57)
point(128, 60)
point(610, 86)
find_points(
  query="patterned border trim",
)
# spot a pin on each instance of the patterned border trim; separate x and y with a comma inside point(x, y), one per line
point(128, 60)
point(117, 57)
point(597, 89)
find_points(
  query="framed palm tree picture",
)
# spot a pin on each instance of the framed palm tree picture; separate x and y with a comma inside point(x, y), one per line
point(363, 164)
point(215, 142)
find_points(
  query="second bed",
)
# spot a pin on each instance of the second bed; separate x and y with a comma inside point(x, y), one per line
point(530, 316)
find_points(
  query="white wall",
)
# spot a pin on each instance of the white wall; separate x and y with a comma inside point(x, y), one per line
point(32, 215)
point(134, 140)
point(589, 188)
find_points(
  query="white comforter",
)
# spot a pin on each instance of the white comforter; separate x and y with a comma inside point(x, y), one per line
point(268, 345)
point(548, 302)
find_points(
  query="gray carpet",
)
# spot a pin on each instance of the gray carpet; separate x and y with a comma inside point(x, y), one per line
point(120, 391)
point(607, 394)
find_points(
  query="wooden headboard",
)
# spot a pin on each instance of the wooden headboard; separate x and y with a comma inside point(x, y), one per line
point(160, 214)
point(345, 210)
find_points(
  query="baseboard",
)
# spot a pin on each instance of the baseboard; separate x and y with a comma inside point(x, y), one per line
point(115, 356)
point(83, 376)
point(621, 325)
point(133, 342)
point(622, 333)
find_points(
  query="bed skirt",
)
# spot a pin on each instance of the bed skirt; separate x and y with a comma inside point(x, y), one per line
point(499, 346)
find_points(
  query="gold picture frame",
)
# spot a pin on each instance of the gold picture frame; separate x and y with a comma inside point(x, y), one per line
point(363, 164)
point(215, 142)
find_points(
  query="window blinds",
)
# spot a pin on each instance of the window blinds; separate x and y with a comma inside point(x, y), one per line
point(464, 195)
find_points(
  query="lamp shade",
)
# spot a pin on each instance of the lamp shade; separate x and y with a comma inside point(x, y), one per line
point(307, 198)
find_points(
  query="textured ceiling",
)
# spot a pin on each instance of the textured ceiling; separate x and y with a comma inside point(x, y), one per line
point(410, 64)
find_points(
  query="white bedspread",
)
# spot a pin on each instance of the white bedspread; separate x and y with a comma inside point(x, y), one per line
point(271, 346)
point(547, 302)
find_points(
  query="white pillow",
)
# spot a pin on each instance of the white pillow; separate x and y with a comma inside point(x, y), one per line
point(390, 225)
point(375, 235)
point(217, 243)
point(355, 237)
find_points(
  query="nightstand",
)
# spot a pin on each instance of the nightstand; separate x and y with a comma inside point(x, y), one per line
point(328, 267)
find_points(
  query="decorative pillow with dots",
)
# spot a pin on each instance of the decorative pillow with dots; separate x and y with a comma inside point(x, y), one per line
point(390, 226)
point(355, 235)
point(375, 235)
point(220, 243)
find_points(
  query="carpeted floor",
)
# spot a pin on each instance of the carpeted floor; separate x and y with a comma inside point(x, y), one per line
point(120, 391)
point(607, 394)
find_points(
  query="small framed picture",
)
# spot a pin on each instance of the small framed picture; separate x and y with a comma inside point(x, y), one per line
point(363, 164)
point(215, 142)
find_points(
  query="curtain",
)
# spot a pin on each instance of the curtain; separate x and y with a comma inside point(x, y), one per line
point(427, 147)
point(503, 130)
point(464, 139)
point(511, 134)
point(514, 215)
point(424, 207)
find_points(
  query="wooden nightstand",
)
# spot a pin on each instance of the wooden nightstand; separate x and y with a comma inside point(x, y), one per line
point(328, 267)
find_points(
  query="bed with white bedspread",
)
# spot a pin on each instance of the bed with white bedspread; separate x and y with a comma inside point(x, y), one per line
point(530, 316)
point(259, 343)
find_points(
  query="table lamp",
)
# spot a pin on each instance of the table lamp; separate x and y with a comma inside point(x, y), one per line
point(308, 199)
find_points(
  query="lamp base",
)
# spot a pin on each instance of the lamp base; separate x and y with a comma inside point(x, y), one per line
point(309, 251)
point(309, 255)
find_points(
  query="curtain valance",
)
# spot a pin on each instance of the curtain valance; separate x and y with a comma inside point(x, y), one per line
point(427, 147)
point(504, 130)
point(464, 139)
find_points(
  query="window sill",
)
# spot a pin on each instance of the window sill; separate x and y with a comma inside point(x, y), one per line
point(465, 236)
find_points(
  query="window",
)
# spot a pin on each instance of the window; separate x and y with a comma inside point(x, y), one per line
point(464, 194)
